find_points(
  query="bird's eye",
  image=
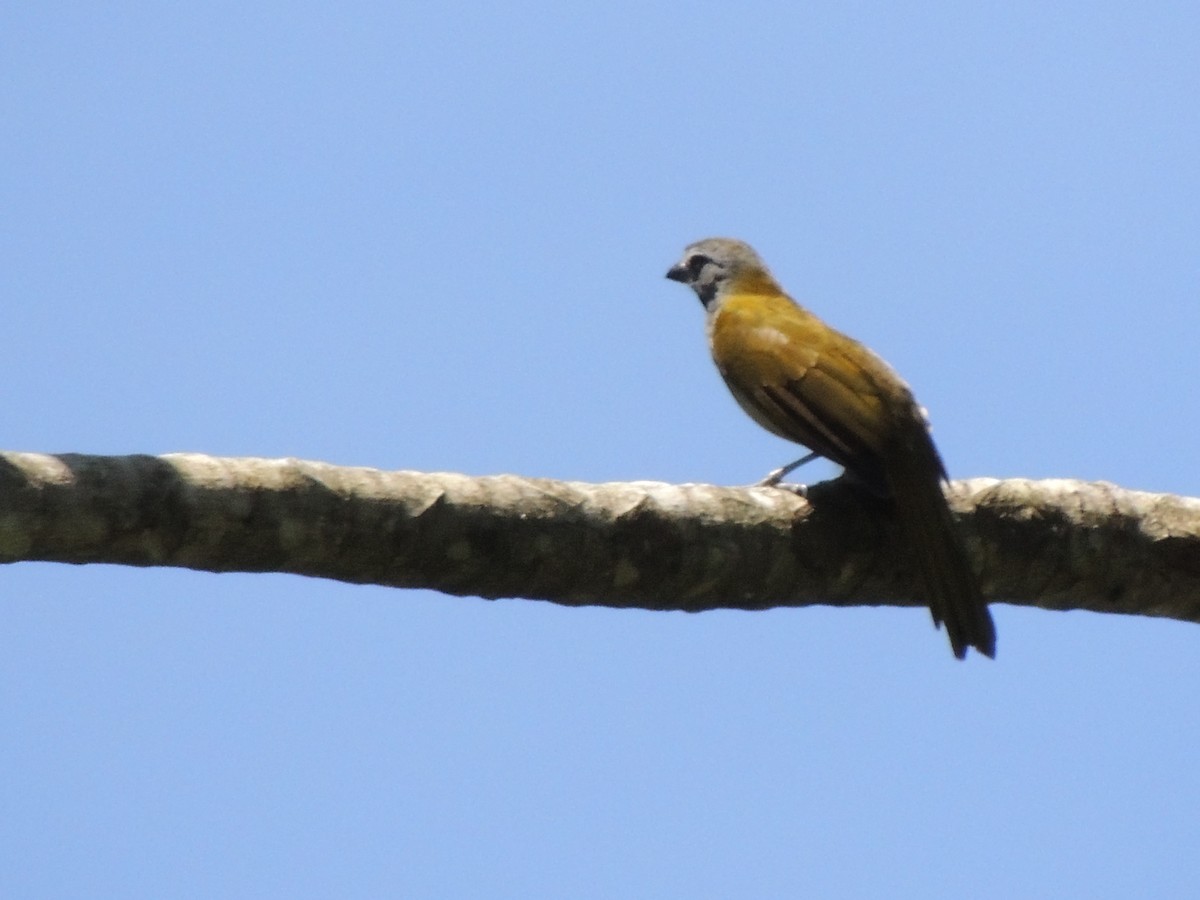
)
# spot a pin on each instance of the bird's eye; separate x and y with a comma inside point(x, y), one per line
point(696, 264)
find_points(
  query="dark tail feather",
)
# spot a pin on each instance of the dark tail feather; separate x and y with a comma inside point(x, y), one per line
point(915, 475)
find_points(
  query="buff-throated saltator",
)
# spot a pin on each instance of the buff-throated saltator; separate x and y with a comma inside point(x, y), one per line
point(804, 381)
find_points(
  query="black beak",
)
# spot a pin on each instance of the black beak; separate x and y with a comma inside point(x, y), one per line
point(679, 273)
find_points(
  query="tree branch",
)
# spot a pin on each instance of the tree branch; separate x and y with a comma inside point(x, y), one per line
point(1053, 544)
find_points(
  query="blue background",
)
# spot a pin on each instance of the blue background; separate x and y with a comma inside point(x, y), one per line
point(433, 237)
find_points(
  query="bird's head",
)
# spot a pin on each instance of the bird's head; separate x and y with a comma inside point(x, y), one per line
point(714, 265)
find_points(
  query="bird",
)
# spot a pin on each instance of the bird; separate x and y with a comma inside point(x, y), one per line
point(804, 381)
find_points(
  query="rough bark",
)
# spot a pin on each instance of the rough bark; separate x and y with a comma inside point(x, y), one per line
point(1052, 544)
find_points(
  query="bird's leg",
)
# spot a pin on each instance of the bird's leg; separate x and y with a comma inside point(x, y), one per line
point(773, 478)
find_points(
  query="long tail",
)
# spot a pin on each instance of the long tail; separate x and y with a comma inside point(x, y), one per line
point(915, 474)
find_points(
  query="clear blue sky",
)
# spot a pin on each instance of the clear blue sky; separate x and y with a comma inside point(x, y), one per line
point(433, 236)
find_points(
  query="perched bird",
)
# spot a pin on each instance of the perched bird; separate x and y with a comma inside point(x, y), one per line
point(804, 381)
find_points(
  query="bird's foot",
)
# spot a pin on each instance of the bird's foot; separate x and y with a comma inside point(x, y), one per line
point(775, 476)
point(776, 481)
